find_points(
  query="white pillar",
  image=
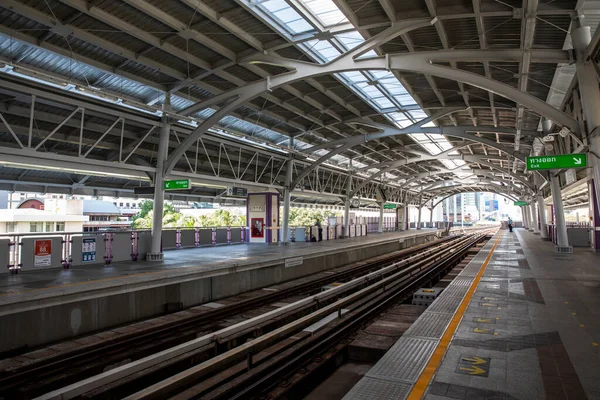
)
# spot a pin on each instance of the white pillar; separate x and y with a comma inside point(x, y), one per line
point(524, 217)
point(155, 253)
point(541, 208)
point(559, 214)
point(380, 229)
point(402, 216)
point(534, 219)
point(560, 225)
point(347, 205)
point(462, 210)
point(455, 220)
point(590, 99)
point(420, 212)
point(287, 193)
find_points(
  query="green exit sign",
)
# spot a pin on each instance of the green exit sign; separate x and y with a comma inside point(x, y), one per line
point(520, 203)
point(177, 184)
point(389, 206)
point(557, 162)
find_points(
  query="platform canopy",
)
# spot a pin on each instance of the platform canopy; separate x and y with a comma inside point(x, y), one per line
point(417, 99)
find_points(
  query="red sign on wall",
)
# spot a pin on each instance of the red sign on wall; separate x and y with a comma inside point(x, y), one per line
point(42, 253)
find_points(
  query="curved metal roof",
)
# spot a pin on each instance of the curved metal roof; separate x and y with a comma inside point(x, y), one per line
point(131, 55)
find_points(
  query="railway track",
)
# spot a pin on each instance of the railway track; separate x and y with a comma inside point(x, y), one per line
point(242, 359)
point(82, 362)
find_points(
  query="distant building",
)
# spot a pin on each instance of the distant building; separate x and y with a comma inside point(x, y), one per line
point(51, 215)
point(3, 199)
point(104, 215)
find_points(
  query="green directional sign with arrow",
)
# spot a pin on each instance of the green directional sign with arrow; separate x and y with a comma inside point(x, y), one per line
point(389, 206)
point(557, 162)
point(521, 203)
point(177, 184)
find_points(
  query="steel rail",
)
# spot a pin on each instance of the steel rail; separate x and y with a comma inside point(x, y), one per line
point(374, 281)
point(20, 377)
point(349, 322)
point(210, 340)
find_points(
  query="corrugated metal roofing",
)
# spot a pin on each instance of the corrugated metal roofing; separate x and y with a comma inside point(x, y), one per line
point(287, 112)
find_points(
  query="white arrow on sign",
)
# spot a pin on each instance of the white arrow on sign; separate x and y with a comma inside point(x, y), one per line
point(577, 160)
point(167, 185)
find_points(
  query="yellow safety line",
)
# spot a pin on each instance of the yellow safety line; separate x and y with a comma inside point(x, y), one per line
point(420, 386)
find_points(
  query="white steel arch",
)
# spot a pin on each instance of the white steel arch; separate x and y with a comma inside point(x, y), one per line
point(421, 62)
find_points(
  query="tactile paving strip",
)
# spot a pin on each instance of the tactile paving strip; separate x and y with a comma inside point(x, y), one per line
point(395, 373)
point(458, 287)
point(431, 325)
point(404, 361)
point(445, 304)
point(369, 389)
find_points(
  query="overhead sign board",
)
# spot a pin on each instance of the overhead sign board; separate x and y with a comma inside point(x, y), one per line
point(557, 162)
point(521, 203)
point(389, 206)
point(143, 190)
point(177, 184)
point(237, 191)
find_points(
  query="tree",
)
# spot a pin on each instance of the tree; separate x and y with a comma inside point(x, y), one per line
point(143, 218)
point(308, 216)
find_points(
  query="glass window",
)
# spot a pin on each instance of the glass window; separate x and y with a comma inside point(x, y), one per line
point(49, 227)
point(11, 227)
point(36, 227)
point(120, 204)
point(60, 227)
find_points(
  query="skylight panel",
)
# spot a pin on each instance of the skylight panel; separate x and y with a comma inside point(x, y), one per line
point(354, 77)
point(432, 148)
point(419, 137)
point(418, 115)
point(351, 39)
point(400, 119)
point(324, 48)
point(287, 16)
point(383, 102)
point(325, 11)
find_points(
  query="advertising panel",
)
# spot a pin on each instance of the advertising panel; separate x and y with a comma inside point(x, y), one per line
point(88, 250)
point(42, 253)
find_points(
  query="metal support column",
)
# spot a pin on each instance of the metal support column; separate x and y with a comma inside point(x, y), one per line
point(431, 217)
point(534, 219)
point(559, 217)
point(560, 224)
point(402, 215)
point(590, 99)
point(346, 232)
point(380, 228)
point(287, 194)
point(455, 220)
point(156, 253)
point(420, 212)
point(541, 209)
point(524, 217)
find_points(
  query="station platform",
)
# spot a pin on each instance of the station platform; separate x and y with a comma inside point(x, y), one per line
point(519, 322)
point(38, 307)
